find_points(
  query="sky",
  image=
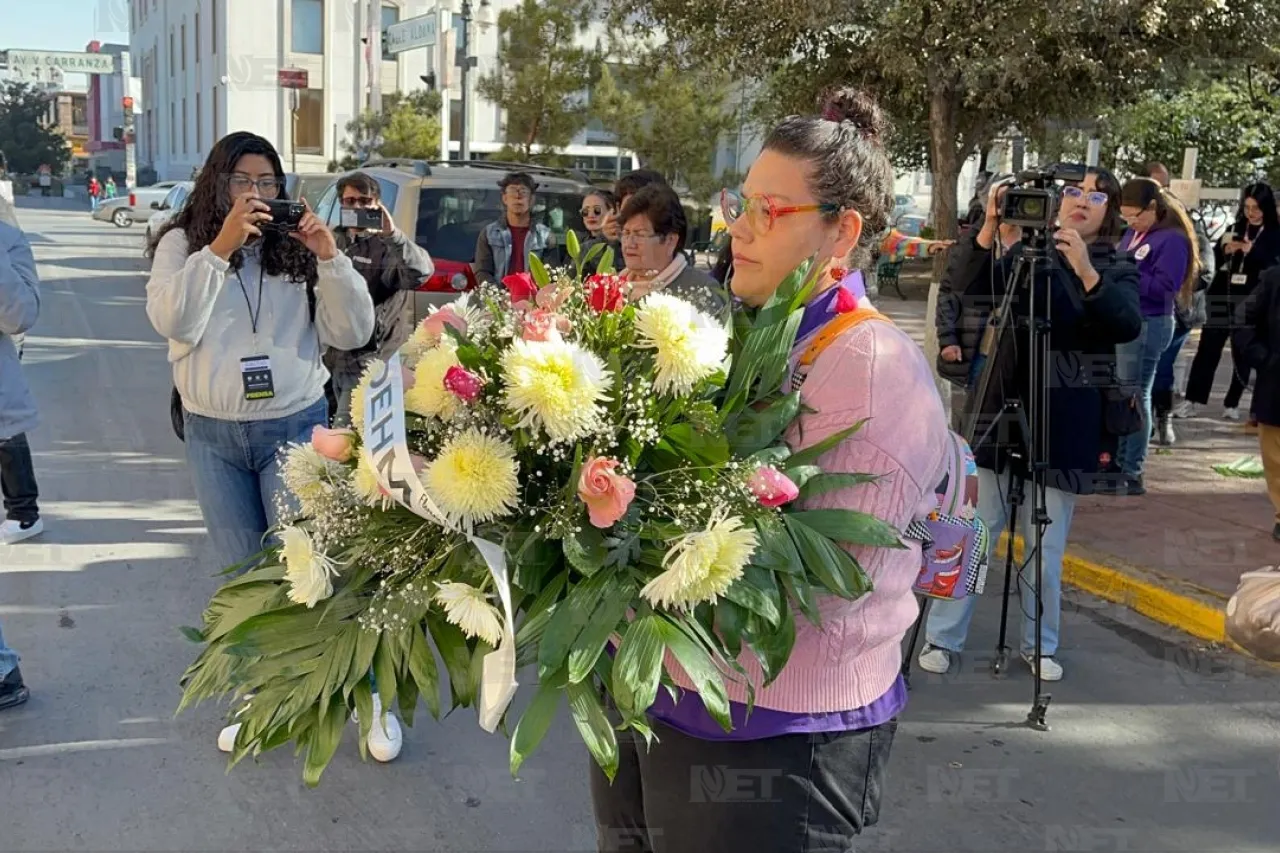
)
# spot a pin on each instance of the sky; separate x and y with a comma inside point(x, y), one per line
point(62, 25)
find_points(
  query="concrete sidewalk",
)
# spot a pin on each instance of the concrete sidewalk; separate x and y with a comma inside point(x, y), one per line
point(1175, 554)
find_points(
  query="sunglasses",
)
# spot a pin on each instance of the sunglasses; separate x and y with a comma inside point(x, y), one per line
point(358, 201)
point(1096, 199)
point(598, 210)
point(761, 211)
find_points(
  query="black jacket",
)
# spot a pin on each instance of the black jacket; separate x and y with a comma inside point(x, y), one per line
point(1084, 330)
point(959, 322)
point(392, 271)
point(1257, 341)
point(1224, 298)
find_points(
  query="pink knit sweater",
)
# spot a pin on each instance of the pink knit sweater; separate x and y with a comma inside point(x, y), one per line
point(873, 371)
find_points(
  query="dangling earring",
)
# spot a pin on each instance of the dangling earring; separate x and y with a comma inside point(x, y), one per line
point(838, 273)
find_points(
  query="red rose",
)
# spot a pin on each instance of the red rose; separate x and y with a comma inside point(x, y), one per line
point(604, 293)
point(463, 383)
point(521, 287)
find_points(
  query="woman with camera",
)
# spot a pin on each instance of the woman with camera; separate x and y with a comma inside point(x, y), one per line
point(1251, 248)
point(1162, 242)
point(1093, 306)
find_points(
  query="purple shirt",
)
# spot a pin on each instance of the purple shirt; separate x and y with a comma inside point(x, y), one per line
point(1162, 256)
point(689, 716)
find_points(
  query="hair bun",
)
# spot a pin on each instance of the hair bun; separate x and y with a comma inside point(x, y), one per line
point(859, 109)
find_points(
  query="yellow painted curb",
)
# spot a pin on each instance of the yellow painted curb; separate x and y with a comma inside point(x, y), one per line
point(1202, 614)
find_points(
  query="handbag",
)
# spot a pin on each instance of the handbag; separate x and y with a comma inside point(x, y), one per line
point(177, 415)
point(1121, 410)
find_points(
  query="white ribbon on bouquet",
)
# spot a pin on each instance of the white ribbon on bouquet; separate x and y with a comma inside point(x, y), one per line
point(386, 448)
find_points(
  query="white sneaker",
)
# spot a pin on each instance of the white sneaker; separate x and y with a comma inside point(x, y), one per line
point(935, 660)
point(385, 737)
point(1050, 669)
point(1186, 409)
point(1231, 415)
point(13, 532)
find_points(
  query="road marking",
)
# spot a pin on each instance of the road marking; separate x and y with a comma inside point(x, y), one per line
point(21, 752)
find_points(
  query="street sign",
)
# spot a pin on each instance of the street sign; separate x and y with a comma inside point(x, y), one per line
point(292, 78)
point(413, 33)
point(70, 63)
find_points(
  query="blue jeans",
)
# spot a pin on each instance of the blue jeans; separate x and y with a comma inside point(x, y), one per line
point(948, 624)
point(1164, 370)
point(236, 470)
point(8, 658)
point(1136, 364)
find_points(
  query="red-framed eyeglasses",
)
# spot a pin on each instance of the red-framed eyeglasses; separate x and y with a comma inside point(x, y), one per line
point(761, 211)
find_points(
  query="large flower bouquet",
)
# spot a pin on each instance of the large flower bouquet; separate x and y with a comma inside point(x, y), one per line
point(554, 475)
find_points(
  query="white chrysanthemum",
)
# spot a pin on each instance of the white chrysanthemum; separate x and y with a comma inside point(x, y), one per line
point(702, 566)
point(428, 396)
point(310, 476)
point(689, 345)
point(469, 609)
point(473, 478)
point(374, 368)
point(556, 385)
point(309, 572)
point(365, 482)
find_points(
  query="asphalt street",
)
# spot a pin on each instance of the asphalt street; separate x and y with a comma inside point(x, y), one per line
point(1156, 744)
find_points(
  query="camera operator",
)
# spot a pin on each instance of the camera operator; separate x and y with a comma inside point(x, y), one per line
point(1092, 293)
point(392, 266)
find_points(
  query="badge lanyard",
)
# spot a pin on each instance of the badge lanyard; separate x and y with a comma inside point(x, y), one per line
point(255, 371)
point(254, 314)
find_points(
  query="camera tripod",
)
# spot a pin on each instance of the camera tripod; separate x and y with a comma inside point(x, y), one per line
point(1019, 434)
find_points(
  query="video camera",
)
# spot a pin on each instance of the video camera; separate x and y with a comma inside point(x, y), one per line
point(1033, 198)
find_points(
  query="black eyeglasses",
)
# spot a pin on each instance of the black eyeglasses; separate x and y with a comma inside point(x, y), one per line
point(267, 187)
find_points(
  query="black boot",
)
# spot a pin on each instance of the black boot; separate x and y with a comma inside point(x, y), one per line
point(12, 691)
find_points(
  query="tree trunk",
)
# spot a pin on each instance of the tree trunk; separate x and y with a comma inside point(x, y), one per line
point(945, 157)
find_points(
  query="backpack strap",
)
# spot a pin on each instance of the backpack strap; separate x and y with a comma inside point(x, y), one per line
point(837, 326)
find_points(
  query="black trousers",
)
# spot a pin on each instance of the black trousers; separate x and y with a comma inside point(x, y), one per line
point(789, 794)
point(1205, 366)
point(18, 479)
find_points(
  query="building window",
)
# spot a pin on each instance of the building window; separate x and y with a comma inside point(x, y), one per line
point(197, 37)
point(213, 26)
point(172, 51)
point(186, 145)
point(199, 124)
point(184, 46)
point(216, 137)
point(390, 15)
point(310, 139)
point(455, 119)
point(173, 131)
point(308, 26)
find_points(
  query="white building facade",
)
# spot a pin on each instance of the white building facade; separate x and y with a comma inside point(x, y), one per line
point(209, 67)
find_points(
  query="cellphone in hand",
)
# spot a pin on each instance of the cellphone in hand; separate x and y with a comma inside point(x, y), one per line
point(285, 214)
point(364, 218)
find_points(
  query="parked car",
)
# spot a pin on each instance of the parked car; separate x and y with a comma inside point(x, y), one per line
point(307, 187)
point(124, 210)
point(167, 208)
point(444, 206)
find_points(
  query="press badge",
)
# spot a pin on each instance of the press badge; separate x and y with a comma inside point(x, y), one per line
point(1240, 278)
point(255, 373)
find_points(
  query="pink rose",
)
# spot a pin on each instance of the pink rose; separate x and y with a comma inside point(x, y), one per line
point(463, 384)
point(540, 325)
point(772, 487)
point(521, 287)
point(434, 323)
point(606, 493)
point(335, 444)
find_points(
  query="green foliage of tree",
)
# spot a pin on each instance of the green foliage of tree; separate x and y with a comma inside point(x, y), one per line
point(542, 74)
point(672, 113)
point(408, 127)
point(26, 140)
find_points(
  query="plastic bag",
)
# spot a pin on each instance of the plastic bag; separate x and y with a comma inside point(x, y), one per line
point(1253, 614)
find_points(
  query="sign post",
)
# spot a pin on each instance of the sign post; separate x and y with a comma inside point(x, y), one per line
point(421, 32)
point(293, 79)
point(130, 150)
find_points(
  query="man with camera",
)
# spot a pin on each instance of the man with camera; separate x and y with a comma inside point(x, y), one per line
point(392, 265)
point(1086, 301)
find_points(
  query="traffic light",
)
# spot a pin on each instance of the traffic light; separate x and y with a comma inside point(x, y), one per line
point(117, 133)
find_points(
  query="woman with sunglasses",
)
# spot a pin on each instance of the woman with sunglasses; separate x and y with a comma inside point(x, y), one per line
point(806, 770)
point(654, 230)
point(1092, 307)
point(599, 209)
point(1162, 241)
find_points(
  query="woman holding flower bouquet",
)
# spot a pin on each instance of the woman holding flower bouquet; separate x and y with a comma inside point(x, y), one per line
point(805, 770)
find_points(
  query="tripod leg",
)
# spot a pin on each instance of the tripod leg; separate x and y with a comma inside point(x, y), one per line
point(1015, 491)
